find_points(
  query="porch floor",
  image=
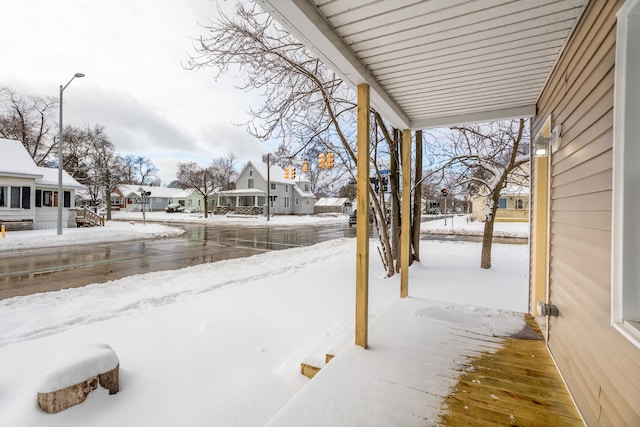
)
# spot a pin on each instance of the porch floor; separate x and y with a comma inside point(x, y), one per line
point(515, 384)
point(431, 364)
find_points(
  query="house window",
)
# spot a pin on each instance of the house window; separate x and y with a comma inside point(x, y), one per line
point(250, 172)
point(250, 183)
point(297, 201)
point(502, 203)
point(286, 188)
point(306, 188)
point(625, 293)
point(286, 203)
point(15, 197)
point(273, 186)
point(519, 204)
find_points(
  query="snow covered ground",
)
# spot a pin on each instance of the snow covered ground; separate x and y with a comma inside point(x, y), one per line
point(222, 343)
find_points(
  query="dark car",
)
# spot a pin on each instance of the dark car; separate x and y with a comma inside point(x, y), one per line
point(354, 215)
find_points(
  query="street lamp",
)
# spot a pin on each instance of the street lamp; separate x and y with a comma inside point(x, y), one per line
point(60, 193)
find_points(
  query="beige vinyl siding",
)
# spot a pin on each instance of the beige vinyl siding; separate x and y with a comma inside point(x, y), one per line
point(600, 366)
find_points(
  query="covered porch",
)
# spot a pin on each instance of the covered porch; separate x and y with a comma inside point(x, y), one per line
point(427, 65)
point(248, 201)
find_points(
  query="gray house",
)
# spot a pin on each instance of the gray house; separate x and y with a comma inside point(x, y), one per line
point(288, 196)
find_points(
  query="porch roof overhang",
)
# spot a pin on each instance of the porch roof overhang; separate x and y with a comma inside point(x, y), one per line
point(433, 63)
point(242, 192)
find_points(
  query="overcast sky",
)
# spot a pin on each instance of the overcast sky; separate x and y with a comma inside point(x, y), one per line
point(132, 53)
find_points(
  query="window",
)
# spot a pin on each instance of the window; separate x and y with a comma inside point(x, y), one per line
point(625, 292)
point(286, 203)
point(297, 201)
point(519, 204)
point(47, 198)
point(250, 183)
point(306, 188)
point(502, 203)
point(286, 188)
point(38, 198)
point(15, 197)
point(273, 186)
point(250, 172)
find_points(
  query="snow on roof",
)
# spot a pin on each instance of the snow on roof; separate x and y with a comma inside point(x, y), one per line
point(332, 201)
point(49, 177)
point(15, 160)
point(163, 192)
point(276, 173)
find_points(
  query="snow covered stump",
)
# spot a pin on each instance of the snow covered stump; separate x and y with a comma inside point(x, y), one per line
point(75, 374)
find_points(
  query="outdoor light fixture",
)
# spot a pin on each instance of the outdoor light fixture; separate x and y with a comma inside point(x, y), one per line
point(60, 192)
point(545, 146)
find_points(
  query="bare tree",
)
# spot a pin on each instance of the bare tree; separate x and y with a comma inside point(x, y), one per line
point(306, 105)
point(139, 170)
point(107, 167)
point(28, 119)
point(191, 175)
point(485, 157)
point(224, 171)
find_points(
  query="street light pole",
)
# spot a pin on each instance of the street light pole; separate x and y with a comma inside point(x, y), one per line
point(60, 192)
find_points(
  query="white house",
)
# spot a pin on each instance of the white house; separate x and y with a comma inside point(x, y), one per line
point(288, 196)
point(29, 193)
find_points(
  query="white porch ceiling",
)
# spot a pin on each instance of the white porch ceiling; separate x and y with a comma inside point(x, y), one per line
point(435, 63)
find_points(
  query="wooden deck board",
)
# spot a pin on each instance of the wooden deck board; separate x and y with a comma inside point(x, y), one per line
point(514, 383)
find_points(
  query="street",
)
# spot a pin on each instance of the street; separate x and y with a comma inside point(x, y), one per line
point(31, 271)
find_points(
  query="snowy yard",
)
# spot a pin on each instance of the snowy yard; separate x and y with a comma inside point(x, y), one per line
point(222, 343)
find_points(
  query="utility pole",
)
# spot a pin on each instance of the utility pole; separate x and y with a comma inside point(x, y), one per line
point(268, 186)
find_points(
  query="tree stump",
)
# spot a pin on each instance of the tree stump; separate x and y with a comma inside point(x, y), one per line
point(76, 374)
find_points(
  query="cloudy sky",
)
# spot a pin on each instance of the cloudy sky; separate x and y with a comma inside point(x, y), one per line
point(132, 54)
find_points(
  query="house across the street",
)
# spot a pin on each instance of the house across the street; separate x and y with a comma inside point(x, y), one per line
point(29, 193)
point(289, 196)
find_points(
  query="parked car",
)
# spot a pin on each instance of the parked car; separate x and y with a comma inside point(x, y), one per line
point(354, 215)
point(174, 207)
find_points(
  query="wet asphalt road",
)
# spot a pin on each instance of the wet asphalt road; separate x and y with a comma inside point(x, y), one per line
point(40, 270)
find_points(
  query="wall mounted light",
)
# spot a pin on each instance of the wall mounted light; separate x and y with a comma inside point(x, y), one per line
point(547, 144)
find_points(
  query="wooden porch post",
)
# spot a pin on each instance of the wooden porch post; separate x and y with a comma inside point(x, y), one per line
point(405, 231)
point(362, 220)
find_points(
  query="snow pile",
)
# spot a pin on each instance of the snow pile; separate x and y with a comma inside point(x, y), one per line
point(231, 219)
point(460, 225)
point(113, 231)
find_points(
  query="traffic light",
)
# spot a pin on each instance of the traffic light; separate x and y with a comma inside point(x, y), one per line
point(444, 192)
point(305, 166)
point(287, 174)
point(292, 173)
point(321, 161)
point(329, 160)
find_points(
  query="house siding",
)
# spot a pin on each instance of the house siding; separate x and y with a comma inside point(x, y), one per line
point(600, 366)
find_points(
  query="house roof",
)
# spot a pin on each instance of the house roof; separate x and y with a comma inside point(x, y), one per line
point(49, 178)
point(332, 201)
point(276, 173)
point(437, 63)
point(16, 161)
point(162, 192)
